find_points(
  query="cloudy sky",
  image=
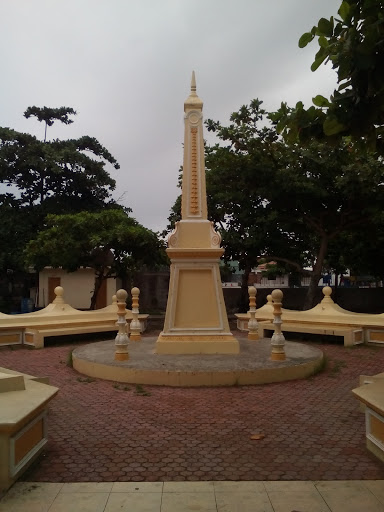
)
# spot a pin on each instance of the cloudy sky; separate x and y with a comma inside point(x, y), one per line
point(125, 67)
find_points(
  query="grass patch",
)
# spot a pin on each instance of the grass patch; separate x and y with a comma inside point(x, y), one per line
point(69, 361)
point(320, 368)
point(336, 367)
point(323, 366)
point(139, 390)
point(120, 387)
point(85, 379)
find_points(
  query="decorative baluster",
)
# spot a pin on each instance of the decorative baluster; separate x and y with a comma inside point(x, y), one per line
point(59, 292)
point(135, 326)
point(278, 340)
point(252, 323)
point(121, 340)
point(327, 292)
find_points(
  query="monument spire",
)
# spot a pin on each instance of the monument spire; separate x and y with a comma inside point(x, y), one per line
point(194, 195)
point(193, 82)
point(195, 321)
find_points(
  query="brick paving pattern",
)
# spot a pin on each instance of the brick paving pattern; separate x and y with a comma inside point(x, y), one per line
point(100, 431)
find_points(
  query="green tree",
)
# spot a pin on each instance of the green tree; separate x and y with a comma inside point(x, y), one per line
point(284, 202)
point(110, 242)
point(354, 44)
point(65, 175)
point(328, 192)
point(41, 177)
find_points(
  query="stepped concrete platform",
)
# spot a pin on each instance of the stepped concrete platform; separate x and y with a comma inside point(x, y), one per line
point(251, 366)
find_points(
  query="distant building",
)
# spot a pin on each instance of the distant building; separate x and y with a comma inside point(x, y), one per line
point(232, 277)
point(78, 288)
point(257, 279)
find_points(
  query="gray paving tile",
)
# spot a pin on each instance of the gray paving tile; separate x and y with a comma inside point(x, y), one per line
point(287, 501)
point(87, 487)
point(137, 487)
point(188, 502)
point(377, 488)
point(243, 502)
point(134, 502)
point(242, 486)
point(188, 487)
point(80, 501)
point(27, 503)
point(289, 486)
point(30, 497)
point(351, 496)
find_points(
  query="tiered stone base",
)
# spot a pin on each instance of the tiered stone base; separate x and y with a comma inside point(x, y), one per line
point(252, 365)
point(198, 344)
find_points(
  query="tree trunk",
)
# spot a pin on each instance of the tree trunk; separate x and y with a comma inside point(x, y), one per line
point(316, 275)
point(336, 287)
point(244, 296)
point(99, 277)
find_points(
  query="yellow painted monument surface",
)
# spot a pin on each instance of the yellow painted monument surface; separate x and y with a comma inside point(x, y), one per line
point(199, 313)
point(196, 320)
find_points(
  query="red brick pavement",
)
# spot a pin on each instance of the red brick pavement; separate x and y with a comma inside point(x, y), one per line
point(313, 428)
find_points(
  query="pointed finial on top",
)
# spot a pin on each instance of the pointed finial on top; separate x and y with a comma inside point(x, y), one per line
point(193, 101)
point(193, 82)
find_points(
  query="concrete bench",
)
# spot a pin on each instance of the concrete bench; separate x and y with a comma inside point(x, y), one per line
point(35, 334)
point(352, 335)
point(326, 319)
point(60, 319)
point(23, 423)
point(372, 397)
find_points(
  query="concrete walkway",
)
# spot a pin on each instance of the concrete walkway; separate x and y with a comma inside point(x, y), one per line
point(340, 496)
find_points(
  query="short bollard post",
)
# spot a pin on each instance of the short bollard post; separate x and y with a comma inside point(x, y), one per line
point(252, 323)
point(121, 340)
point(135, 326)
point(278, 340)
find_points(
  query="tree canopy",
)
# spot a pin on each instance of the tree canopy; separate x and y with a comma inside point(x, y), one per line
point(70, 171)
point(354, 45)
point(110, 241)
point(41, 177)
point(284, 202)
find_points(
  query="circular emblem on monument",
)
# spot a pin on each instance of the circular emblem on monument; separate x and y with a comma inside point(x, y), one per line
point(194, 118)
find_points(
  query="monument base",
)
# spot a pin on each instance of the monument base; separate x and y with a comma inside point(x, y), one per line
point(197, 344)
point(121, 356)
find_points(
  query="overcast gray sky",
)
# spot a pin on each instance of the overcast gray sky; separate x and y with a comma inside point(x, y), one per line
point(125, 67)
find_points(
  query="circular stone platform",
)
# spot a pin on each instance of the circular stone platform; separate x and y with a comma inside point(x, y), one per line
point(251, 366)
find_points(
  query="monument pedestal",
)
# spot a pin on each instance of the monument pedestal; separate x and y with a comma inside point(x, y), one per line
point(196, 320)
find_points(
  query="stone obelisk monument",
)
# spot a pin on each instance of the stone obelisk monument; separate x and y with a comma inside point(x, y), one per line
point(196, 320)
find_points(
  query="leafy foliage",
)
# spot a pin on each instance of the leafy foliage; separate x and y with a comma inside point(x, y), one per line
point(109, 241)
point(50, 115)
point(43, 177)
point(287, 203)
point(354, 45)
point(64, 170)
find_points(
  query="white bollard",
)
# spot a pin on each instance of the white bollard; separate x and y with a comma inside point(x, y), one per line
point(277, 340)
point(252, 323)
point(135, 326)
point(121, 340)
